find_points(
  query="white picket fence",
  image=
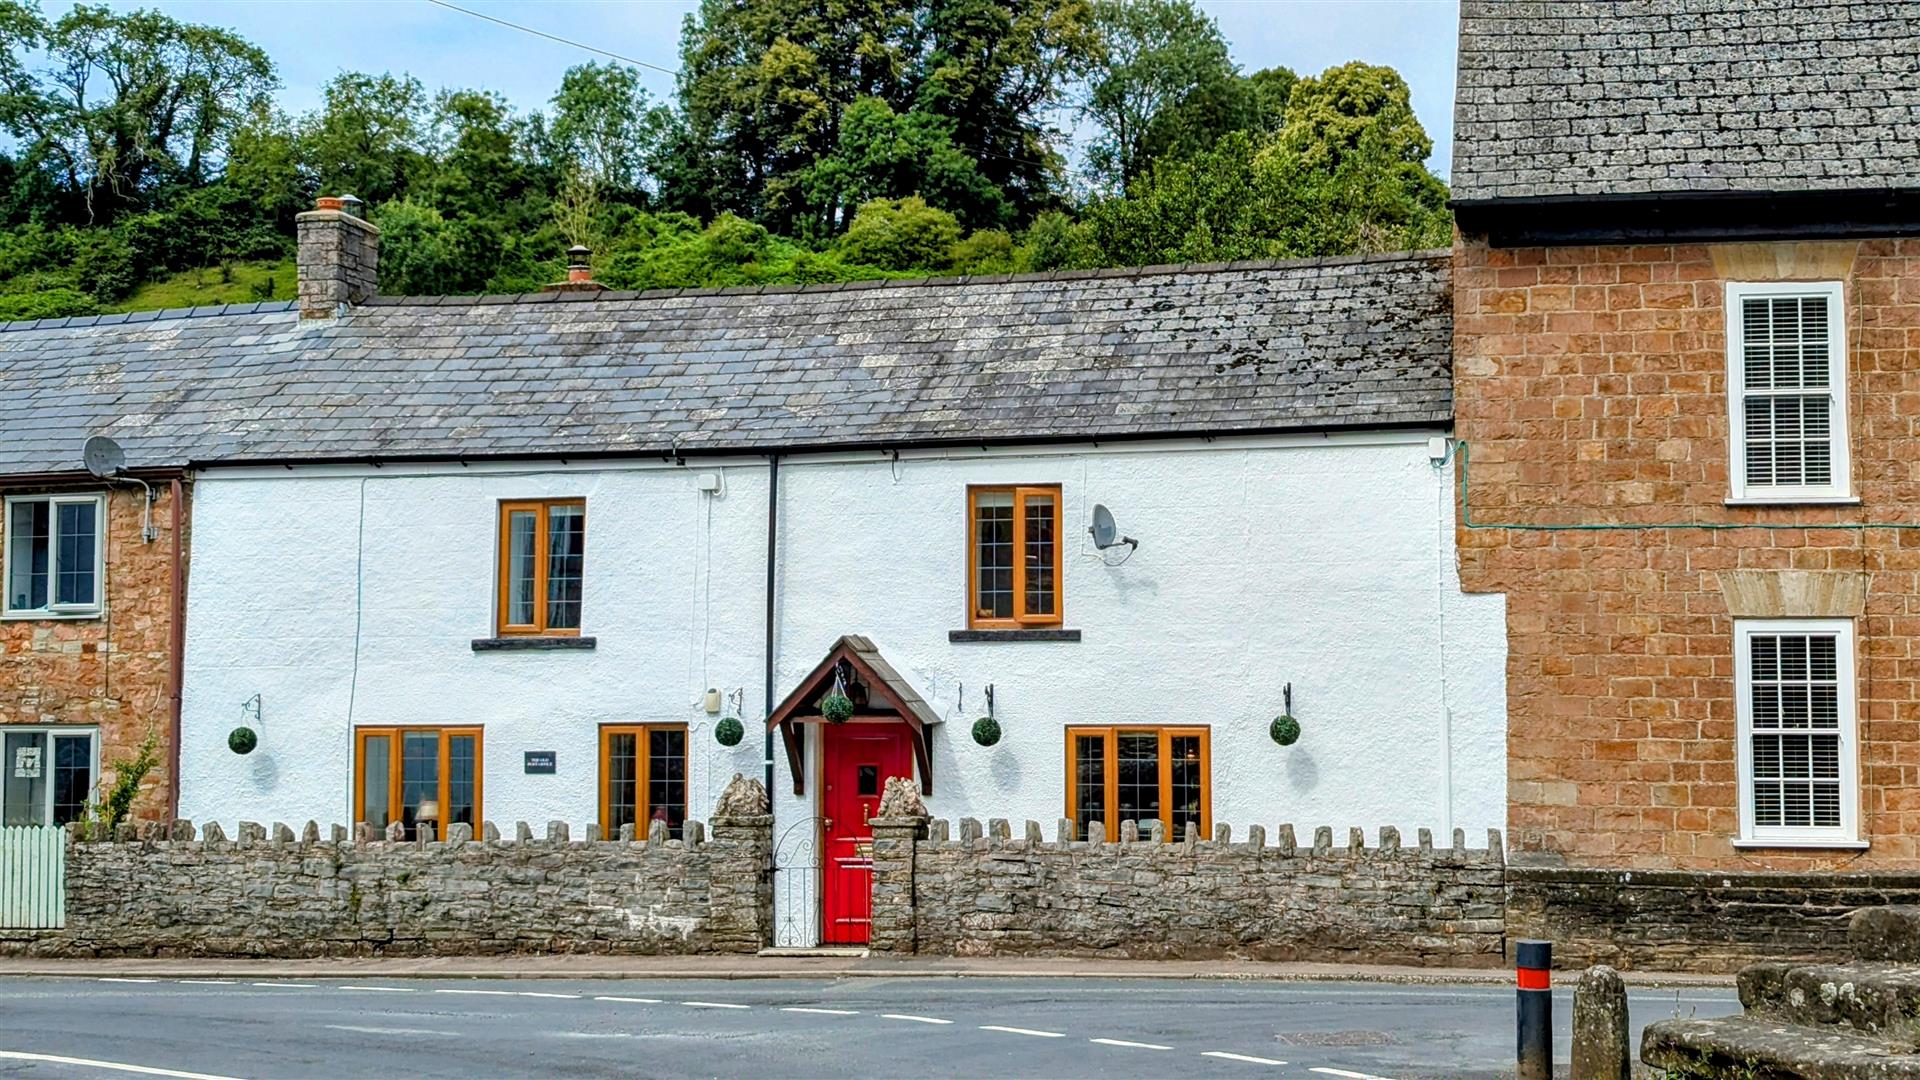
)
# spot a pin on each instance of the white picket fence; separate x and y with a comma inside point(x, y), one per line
point(33, 878)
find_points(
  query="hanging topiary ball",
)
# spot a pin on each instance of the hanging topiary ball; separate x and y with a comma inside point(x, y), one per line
point(837, 708)
point(242, 740)
point(1285, 730)
point(986, 731)
point(728, 732)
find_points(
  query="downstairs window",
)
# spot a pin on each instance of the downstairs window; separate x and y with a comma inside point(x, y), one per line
point(1795, 706)
point(1140, 774)
point(417, 775)
point(643, 778)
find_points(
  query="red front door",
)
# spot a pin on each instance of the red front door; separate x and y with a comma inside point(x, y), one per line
point(856, 762)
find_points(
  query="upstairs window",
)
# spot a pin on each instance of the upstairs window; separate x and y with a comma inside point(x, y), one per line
point(542, 562)
point(53, 554)
point(1795, 711)
point(1013, 540)
point(1786, 370)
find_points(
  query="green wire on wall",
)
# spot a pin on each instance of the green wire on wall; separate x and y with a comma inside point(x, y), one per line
point(1466, 518)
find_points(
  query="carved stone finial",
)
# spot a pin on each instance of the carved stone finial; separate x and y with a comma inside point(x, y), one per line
point(745, 797)
point(901, 798)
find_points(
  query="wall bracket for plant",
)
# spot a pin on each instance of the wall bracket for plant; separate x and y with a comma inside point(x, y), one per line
point(986, 730)
point(1285, 729)
point(243, 739)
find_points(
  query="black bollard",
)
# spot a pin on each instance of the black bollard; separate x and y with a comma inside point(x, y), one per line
point(1533, 961)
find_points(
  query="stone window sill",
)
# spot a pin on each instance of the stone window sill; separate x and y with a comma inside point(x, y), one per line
point(1012, 635)
point(533, 644)
point(50, 616)
point(1793, 500)
point(1803, 845)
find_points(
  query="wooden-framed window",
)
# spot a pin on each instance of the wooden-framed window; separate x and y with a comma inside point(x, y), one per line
point(543, 544)
point(1117, 774)
point(53, 555)
point(1013, 556)
point(46, 774)
point(1795, 711)
point(643, 778)
point(1787, 392)
point(417, 774)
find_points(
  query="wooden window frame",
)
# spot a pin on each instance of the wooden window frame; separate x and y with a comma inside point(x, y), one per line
point(1111, 780)
point(540, 509)
point(1021, 619)
point(1839, 489)
point(1847, 834)
point(54, 609)
point(394, 770)
point(643, 809)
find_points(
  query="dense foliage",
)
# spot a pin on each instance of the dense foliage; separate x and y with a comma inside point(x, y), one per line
point(808, 140)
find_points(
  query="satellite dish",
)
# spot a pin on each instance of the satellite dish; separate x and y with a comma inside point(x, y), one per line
point(1105, 533)
point(103, 457)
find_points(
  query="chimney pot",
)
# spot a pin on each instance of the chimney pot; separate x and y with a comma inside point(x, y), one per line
point(339, 257)
point(579, 273)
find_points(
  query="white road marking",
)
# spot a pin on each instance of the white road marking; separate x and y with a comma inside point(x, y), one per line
point(636, 1001)
point(128, 980)
point(117, 1066)
point(1248, 1058)
point(915, 1019)
point(381, 989)
point(714, 1005)
point(208, 982)
point(1345, 1073)
point(822, 1012)
point(391, 1031)
point(593, 1034)
point(536, 993)
point(1130, 1045)
point(1023, 1031)
point(488, 993)
point(287, 985)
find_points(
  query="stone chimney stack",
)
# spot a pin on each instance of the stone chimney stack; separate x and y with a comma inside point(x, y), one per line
point(339, 257)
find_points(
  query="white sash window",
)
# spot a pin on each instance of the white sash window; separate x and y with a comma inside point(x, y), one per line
point(1799, 769)
point(1787, 392)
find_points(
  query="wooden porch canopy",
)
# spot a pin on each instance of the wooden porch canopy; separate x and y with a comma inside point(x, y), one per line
point(880, 695)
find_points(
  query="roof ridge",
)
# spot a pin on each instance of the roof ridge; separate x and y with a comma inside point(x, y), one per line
point(69, 322)
point(1157, 270)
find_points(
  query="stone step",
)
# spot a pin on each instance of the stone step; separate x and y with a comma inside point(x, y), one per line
point(1878, 1000)
point(1890, 933)
point(1752, 1048)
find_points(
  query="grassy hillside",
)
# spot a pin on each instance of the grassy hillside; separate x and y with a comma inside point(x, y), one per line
point(229, 283)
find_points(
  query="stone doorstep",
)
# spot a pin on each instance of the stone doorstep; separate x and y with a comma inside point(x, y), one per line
point(1758, 1049)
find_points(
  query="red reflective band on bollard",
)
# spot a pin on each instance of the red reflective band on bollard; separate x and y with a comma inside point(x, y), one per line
point(1534, 979)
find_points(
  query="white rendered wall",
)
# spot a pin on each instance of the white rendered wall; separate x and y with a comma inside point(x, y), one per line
point(280, 567)
point(1327, 563)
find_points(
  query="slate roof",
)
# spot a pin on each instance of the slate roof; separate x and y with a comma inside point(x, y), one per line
point(1166, 350)
point(1566, 98)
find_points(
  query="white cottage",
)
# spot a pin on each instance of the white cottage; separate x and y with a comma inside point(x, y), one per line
point(585, 555)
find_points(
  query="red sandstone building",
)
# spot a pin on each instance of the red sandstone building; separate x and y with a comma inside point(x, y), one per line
point(93, 574)
point(1687, 389)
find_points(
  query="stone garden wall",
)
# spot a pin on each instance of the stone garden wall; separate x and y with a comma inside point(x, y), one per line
point(1679, 920)
point(270, 893)
point(982, 892)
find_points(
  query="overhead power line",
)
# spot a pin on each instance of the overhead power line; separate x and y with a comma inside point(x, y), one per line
point(554, 37)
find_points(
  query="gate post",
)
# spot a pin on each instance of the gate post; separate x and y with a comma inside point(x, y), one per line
point(894, 842)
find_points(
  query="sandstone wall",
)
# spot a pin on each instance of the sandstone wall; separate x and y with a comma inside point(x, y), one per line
point(1591, 387)
point(1672, 920)
point(270, 894)
point(985, 892)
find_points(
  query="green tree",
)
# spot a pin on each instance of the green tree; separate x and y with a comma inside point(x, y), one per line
point(1152, 54)
point(125, 102)
point(1329, 114)
point(882, 154)
point(1256, 104)
point(606, 127)
point(480, 171)
point(368, 138)
point(901, 234)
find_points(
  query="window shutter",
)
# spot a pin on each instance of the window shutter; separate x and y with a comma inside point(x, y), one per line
point(1787, 396)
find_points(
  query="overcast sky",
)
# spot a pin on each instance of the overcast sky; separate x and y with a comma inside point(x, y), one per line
point(313, 40)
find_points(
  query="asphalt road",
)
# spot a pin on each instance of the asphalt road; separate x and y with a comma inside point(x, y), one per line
point(843, 1028)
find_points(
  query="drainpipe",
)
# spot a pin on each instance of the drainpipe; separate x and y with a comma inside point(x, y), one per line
point(177, 635)
point(773, 549)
